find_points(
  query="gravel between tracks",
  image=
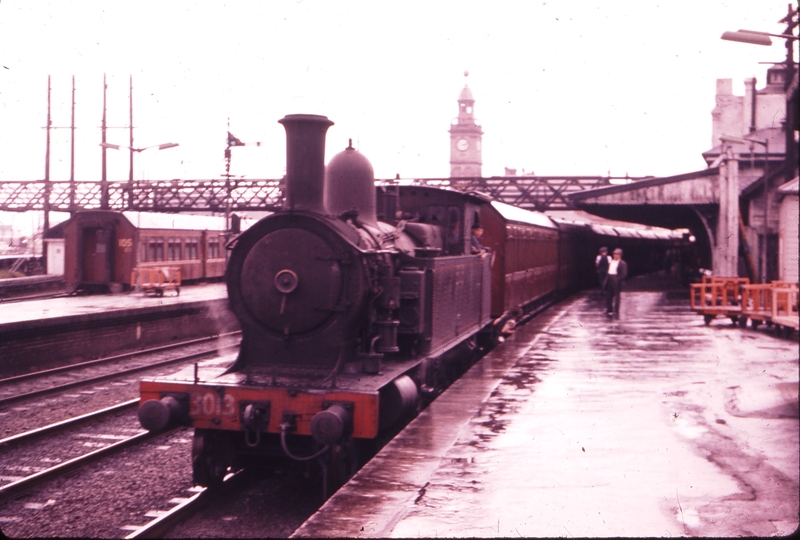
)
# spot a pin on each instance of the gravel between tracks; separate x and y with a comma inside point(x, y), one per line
point(36, 413)
point(100, 500)
point(273, 505)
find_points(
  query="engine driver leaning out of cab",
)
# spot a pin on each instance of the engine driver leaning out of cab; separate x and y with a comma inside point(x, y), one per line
point(475, 242)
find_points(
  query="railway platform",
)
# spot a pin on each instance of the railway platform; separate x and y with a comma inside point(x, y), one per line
point(49, 332)
point(578, 425)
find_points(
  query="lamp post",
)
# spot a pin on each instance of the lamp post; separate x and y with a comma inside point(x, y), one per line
point(765, 183)
point(106, 145)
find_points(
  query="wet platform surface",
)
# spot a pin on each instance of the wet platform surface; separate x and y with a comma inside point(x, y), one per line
point(31, 311)
point(653, 425)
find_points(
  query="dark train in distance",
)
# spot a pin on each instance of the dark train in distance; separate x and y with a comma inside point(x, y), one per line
point(358, 305)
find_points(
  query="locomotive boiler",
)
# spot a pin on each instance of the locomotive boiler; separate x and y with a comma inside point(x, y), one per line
point(349, 322)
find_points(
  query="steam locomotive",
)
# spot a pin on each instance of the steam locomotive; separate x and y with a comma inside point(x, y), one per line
point(357, 306)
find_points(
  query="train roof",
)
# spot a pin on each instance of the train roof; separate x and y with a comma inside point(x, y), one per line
point(520, 215)
point(152, 220)
point(190, 222)
point(611, 227)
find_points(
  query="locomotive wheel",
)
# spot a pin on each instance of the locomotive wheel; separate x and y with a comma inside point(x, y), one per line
point(211, 457)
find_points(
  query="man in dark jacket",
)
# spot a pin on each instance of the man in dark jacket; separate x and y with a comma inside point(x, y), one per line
point(617, 272)
point(601, 265)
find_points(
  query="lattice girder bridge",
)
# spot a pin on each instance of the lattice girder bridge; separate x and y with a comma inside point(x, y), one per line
point(530, 192)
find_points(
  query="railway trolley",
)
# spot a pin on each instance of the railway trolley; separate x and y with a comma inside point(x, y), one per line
point(718, 296)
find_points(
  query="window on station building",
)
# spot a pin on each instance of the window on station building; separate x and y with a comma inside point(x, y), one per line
point(155, 251)
point(173, 249)
point(143, 250)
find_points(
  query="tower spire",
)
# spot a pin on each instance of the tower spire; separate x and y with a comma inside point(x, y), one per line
point(465, 137)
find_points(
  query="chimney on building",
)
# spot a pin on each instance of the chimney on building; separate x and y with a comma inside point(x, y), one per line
point(749, 109)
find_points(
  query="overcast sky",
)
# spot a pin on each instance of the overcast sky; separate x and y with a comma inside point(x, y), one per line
point(564, 87)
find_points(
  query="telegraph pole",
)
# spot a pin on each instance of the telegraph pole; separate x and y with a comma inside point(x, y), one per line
point(72, 152)
point(48, 126)
point(791, 102)
point(104, 171)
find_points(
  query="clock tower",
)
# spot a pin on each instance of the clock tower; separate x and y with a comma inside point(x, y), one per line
point(465, 138)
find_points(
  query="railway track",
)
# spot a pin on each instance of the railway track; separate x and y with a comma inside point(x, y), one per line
point(27, 298)
point(167, 521)
point(43, 459)
point(48, 387)
point(28, 482)
point(108, 359)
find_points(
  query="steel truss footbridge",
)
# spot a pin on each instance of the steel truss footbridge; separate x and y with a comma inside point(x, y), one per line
point(237, 195)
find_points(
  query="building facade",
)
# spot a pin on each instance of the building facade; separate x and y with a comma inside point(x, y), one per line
point(465, 139)
point(759, 115)
point(756, 110)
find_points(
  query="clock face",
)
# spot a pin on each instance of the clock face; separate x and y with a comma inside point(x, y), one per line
point(462, 144)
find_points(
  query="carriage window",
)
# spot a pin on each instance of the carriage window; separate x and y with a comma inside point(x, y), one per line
point(173, 249)
point(213, 248)
point(156, 249)
point(192, 253)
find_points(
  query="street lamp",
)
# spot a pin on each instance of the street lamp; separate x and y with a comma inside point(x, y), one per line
point(765, 182)
point(159, 146)
point(753, 37)
point(164, 146)
point(105, 146)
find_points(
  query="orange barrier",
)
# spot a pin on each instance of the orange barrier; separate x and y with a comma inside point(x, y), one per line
point(785, 307)
point(756, 304)
point(718, 296)
point(157, 280)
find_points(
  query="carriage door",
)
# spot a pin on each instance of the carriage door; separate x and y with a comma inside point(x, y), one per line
point(97, 255)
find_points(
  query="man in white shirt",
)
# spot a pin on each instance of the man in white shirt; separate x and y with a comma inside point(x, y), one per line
point(617, 272)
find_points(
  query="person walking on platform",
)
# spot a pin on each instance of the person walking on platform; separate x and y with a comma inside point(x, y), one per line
point(601, 263)
point(617, 272)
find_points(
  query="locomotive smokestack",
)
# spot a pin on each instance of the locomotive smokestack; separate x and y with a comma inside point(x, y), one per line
point(305, 161)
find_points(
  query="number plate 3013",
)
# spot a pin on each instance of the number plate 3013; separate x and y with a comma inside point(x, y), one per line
point(211, 404)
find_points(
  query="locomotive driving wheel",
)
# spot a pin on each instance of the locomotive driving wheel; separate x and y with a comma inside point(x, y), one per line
point(211, 458)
